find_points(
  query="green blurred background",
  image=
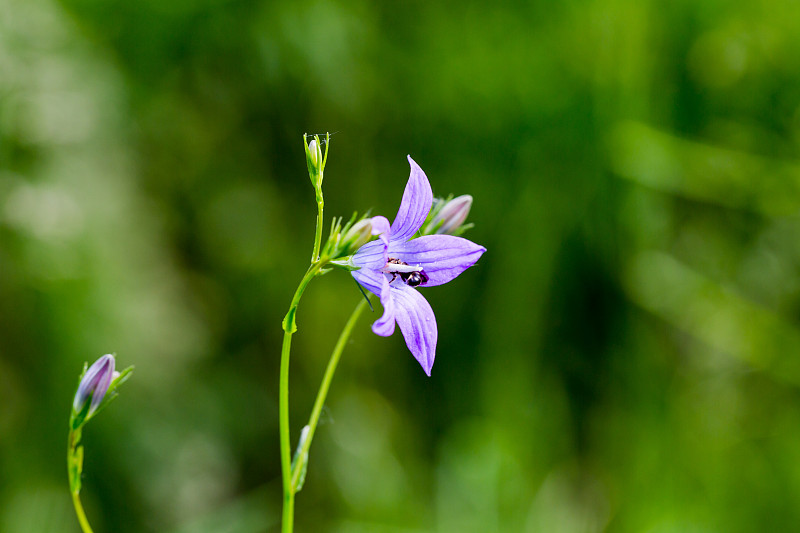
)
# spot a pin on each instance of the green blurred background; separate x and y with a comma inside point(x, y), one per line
point(624, 358)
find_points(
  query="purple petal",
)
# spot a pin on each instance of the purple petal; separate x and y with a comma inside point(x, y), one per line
point(370, 279)
point(384, 326)
point(417, 323)
point(416, 204)
point(370, 259)
point(94, 383)
point(442, 257)
point(380, 226)
point(102, 386)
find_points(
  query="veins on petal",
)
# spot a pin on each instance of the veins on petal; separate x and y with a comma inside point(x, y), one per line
point(417, 324)
point(428, 260)
point(415, 206)
point(384, 326)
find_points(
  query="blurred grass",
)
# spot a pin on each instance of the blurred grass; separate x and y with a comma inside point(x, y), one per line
point(623, 358)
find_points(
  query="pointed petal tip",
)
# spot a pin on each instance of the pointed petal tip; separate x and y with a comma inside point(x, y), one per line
point(414, 164)
point(443, 257)
point(417, 323)
point(479, 251)
point(415, 205)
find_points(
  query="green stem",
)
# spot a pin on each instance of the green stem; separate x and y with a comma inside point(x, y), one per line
point(318, 232)
point(289, 327)
point(320, 200)
point(76, 501)
point(286, 461)
point(326, 383)
point(74, 471)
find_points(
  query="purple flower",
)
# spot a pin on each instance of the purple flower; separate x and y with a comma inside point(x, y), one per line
point(94, 384)
point(393, 266)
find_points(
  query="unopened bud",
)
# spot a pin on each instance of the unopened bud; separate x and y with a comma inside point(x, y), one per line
point(357, 236)
point(452, 215)
point(315, 153)
point(94, 385)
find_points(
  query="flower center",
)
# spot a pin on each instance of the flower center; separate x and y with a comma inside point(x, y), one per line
point(410, 275)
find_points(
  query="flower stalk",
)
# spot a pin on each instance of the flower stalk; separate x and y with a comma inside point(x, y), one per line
point(82, 520)
point(75, 468)
point(392, 267)
point(294, 472)
point(97, 387)
point(289, 328)
point(316, 168)
point(315, 161)
point(302, 454)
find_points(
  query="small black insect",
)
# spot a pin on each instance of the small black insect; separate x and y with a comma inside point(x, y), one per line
point(412, 279)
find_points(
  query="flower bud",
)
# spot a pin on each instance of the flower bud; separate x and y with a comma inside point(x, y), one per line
point(94, 385)
point(357, 236)
point(315, 153)
point(315, 162)
point(452, 215)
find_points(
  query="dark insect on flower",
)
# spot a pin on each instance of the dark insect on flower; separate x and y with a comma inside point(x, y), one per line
point(435, 260)
point(411, 278)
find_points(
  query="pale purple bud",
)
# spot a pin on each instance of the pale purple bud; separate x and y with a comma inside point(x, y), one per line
point(94, 384)
point(453, 214)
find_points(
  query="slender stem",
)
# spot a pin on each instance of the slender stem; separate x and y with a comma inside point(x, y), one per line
point(318, 232)
point(320, 200)
point(289, 327)
point(286, 460)
point(74, 470)
point(326, 383)
point(76, 501)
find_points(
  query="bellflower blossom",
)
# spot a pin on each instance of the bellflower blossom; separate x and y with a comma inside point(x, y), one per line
point(393, 266)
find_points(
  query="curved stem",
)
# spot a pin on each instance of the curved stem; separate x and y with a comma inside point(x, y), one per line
point(326, 383)
point(76, 501)
point(289, 327)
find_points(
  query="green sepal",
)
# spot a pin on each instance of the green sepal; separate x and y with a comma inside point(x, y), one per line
point(77, 420)
point(428, 228)
point(316, 170)
point(341, 243)
point(111, 393)
point(463, 228)
point(119, 380)
point(344, 263)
